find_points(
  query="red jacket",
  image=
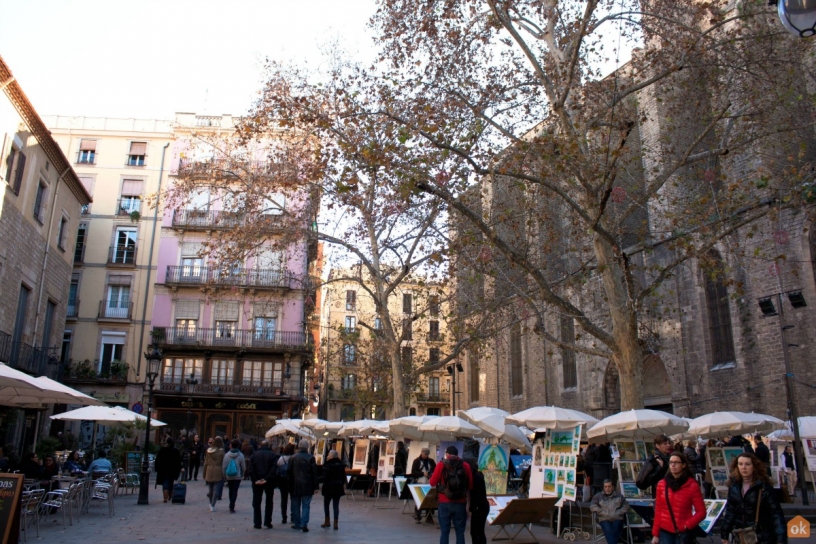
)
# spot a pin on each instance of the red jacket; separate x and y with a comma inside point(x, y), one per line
point(681, 501)
point(436, 479)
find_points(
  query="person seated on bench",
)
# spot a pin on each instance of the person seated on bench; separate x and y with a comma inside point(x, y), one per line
point(610, 507)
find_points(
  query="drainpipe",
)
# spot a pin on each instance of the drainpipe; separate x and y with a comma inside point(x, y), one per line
point(150, 263)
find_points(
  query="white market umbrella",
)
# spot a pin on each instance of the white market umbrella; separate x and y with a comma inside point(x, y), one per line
point(807, 429)
point(11, 378)
point(289, 426)
point(23, 390)
point(551, 417)
point(449, 428)
point(638, 424)
point(313, 423)
point(408, 426)
point(492, 420)
point(361, 427)
point(109, 416)
point(81, 397)
point(719, 424)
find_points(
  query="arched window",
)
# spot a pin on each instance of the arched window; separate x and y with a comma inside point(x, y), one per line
point(516, 369)
point(719, 311)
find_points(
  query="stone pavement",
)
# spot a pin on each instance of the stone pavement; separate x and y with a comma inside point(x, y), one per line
point(362, 521)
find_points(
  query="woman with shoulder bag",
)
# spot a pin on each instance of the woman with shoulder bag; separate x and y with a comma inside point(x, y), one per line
point(677, 493)
point(752, 513)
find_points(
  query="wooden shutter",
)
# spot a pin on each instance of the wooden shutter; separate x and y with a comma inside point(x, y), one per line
point(138, 148)
point(132, 187)
point(88, 183)
point(265, 309)
point(191, 249)
point(18, 177)
point(227, 311)
point(87, 145)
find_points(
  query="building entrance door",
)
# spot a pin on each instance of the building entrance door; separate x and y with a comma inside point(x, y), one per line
point(219, 425)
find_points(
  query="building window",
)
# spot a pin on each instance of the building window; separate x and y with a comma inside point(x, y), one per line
point(433, 388)
point(79, 249)
point(412, 411)
point(349, 381)
point(87, 152)
point(258, 373)
point(186, 328)
point(39, 202)
point(347, 412)
point(124, 250)
point(719, 311)
point(473, 367)
point(351, 301)
point(176, 370)
point(264, 328)
point(222, 372)
point(113, 345)
point(433, 356)
point(62, 233)
point(225, 330)
point(351, 324)
point(516, 374)
point(15, 168)
point(73, 298)
point(349, 354)
point(117, 304)
point(568, 354)
point(131, 198)
point(407, 356)
point(137, 153)
point(406, 303)
point(433, 412)
point(48, 323)
point(433, 332)
point(408, 329)
point(433, 305)
point(19, 322)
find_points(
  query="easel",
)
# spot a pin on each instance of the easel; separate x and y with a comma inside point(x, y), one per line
point(390, 485)
point(522, 512)
point(429, 504)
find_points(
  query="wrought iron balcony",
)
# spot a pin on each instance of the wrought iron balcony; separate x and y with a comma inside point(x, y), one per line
point(434, 397)
point(115, 309)
point(73, 308)
point(224, 168)
point(122, 255)
point(205, 219)
point(262, 388)
point(250, 278)
point(254, 339)
point(128, 205)
point(27, 358)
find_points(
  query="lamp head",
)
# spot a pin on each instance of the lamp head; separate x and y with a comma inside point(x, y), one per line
point(798, 16)
point(154, 359)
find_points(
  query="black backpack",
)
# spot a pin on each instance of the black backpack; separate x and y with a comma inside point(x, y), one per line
point(283, 470)
point(454, 480)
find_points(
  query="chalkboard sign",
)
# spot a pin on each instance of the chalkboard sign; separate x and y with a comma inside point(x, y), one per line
point(134, 462)
point(11, 492)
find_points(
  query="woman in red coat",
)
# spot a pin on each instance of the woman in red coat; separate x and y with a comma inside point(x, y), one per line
point(680, 492)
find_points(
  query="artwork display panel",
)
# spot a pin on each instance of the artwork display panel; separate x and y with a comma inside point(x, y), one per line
point(494, 464)
point(418, 492)
point(556, 475)
point(360, 453)
point(320, 451)
point(730, 454)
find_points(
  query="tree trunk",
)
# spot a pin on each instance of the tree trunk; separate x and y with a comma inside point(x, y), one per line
point(626, 353)
point(398, 384)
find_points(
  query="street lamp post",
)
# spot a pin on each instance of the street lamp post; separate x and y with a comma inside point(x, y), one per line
point(191, 385)
point(154, 359)
point(452, 370)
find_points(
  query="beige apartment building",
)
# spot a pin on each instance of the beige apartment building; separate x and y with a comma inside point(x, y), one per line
point(120, 162)
point(356, 371)
point(39, 218)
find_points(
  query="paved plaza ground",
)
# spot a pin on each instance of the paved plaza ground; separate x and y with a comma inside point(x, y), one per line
point(361, 521)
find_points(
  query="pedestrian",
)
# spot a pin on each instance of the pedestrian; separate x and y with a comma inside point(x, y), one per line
point(184, 448)
point(401, 460)
point(752, 503)
point(453, 480)
point(234, 467)
point(677, 494)
point(371, 466)
point(788, 464)
point(479, 507)
point(762, 452)
point(610, 507)
point(214, 471)
point(263, 469)
point(302, 485)
point(334, 483)
point(168, 466)
point(247, 450)
point(283, 478)
point(196, 453)
point(421, 470)
point(101, 465)
point(694, 459)
point(656, 467)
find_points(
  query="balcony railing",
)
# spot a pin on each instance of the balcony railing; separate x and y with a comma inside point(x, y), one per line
point(114, 309)
point(73, 308)
point(236, 387)
point(433, 396)
point(126, 206)
point(122, 255)
point(239, 338)
point(206, 219)
point(27, 358)
point(225, 168)
point(199, 275)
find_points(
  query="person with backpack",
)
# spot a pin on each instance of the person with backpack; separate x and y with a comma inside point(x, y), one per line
point(654, 469)
point(283, 478)
point(453, 480)
point(263, 467)
point(234, 468)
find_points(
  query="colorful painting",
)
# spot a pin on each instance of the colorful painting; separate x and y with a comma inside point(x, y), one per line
point(570, 477)
point(391, 447)
point(561, 475)
point(634, 519)
point(399, 481)
point(418, 492)
point(559, 490)
point(561, 441)
point(561, 460)
point(731, 454)
point(627, 472)
point(571, 463)
point(715, 509)
point(705, 525)
point(640, 448)
point(626, 450)
point(549, 481)
point(569, 492)
point(360, 452)
point(631, 491)
point(493, 463)
point(537, 456)
point(576, 446)
point(715, 457)
point(719, 476)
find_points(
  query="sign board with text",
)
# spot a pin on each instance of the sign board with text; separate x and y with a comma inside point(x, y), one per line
point(11, 492)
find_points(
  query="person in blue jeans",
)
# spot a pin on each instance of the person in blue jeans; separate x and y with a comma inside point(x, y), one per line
point(453, 480)
point(302, 485)
point(610, 507)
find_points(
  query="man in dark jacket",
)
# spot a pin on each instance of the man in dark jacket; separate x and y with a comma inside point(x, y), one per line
point(263, 466)
point(655, 467)
point(401, 460)
point(196, 455)
point(762, 451)
point(302, 485)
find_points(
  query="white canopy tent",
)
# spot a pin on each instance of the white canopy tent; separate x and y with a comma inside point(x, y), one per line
point(638, 424)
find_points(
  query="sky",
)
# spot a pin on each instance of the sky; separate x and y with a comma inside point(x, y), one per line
point(152, 58)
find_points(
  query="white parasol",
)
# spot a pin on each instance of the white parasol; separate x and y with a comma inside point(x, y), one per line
point(720, 424)
point(449, 428)
point(638, 424)
point(289, 426)
point(361, 427)
point(493, 421)
point(551, 417)
point(109, 416)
